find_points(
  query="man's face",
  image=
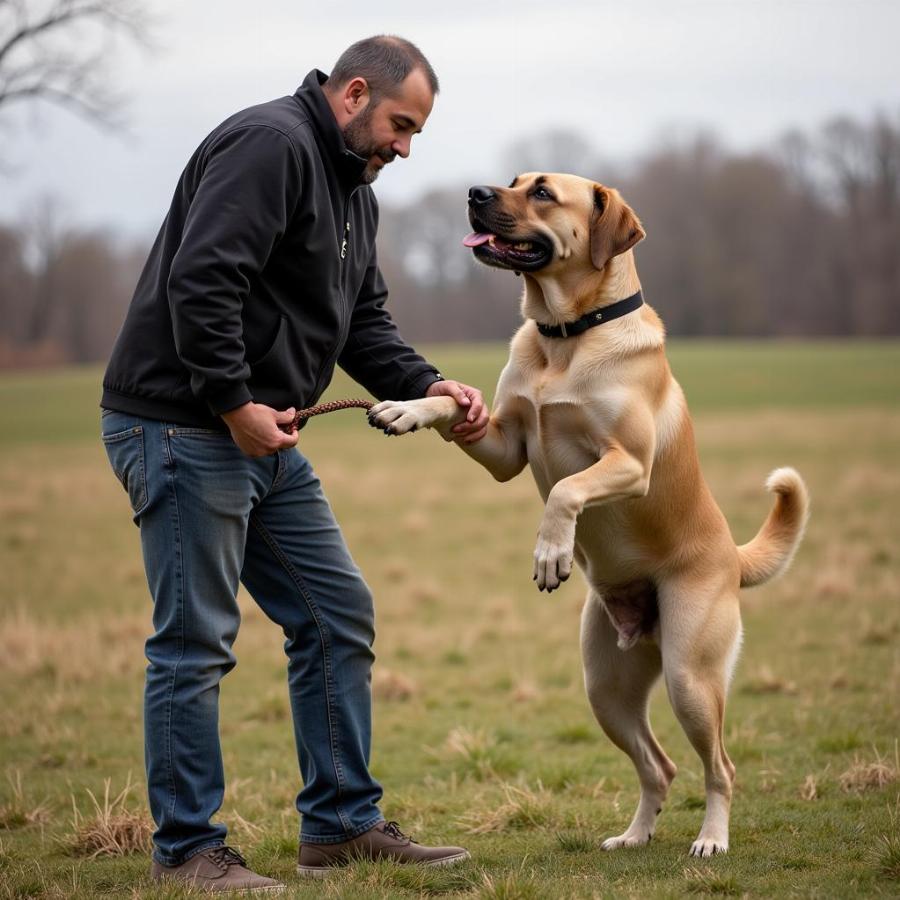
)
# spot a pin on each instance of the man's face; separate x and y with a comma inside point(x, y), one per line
point(383, 130)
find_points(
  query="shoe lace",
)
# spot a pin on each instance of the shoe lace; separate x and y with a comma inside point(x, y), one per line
point(226, 856)
point(393, 829)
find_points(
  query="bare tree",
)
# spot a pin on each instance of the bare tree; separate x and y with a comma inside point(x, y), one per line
point(16, 285)
point(57, 50)
point(47, 235)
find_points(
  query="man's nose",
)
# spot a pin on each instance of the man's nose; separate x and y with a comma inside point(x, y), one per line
point(480, 194)
point(401, 148)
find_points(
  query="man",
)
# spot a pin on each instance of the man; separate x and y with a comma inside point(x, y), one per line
point(262, 278)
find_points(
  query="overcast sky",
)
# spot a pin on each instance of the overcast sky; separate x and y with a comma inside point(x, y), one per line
point(621, 73)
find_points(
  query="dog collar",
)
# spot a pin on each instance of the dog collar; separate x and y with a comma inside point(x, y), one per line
point(591, 319)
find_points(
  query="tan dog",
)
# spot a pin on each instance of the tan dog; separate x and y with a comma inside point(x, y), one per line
point(604, 426)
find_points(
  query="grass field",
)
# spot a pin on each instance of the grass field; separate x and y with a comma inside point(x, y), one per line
point(483, 735)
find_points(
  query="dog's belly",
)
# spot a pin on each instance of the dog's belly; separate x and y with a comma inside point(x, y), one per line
point(608, 546)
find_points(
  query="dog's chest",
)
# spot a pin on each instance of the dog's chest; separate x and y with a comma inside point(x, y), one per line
point(567, 430)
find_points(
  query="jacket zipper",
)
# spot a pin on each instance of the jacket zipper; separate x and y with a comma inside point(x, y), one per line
point(345, 243)
point(345, 246)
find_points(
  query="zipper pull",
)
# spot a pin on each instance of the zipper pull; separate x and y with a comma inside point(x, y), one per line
point(346, 240)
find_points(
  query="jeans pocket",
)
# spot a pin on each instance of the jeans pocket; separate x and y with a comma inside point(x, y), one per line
point(191, 431)
point(125, 450)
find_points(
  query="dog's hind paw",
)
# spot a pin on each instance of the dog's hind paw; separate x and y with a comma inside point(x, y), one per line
point(704, 847)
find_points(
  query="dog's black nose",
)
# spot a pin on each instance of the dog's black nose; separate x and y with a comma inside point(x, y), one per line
point(480, 194)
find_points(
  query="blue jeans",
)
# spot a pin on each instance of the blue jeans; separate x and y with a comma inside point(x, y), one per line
point(210, 516)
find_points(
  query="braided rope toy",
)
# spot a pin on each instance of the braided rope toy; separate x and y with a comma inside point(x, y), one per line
point(332, 406)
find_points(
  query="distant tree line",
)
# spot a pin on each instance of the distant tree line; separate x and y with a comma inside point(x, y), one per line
point(800, 239)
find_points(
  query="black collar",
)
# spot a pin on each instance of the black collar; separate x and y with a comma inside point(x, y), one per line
point(348, 165)
point(596, 317)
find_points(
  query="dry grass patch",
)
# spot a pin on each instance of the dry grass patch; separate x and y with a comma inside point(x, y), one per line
point(18, 811)
point(522, 808)
point(809, 790)
point(75, 652)
point(476, 753)
point(864, 776)
point(113, 830)
point(511, 887)
point(765, 681)
point(525, 691)
point(878, 634)
point(249, 831)
point(390, 685)
point(709, 881)
point(470, 744)
point(834, 582)
point(839, 681)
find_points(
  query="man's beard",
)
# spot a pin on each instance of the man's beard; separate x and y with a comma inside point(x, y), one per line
point(358, 138)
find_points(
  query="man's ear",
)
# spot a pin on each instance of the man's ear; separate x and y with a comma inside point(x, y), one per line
point(614, 226)
point(356, 95)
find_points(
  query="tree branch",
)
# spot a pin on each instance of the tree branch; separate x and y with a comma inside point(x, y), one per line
point(34, 65)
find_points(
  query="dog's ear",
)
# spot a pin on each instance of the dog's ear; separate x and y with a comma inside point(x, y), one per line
point(614, 226)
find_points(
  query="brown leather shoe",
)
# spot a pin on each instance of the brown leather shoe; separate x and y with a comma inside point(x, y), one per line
point(218, 869)
point(384, 841)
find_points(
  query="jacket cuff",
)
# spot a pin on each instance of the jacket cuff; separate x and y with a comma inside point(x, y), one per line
point(421, 384)
point(231, 398)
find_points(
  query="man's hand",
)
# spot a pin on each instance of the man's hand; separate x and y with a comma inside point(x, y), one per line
point(475, 426)
point(260, 430)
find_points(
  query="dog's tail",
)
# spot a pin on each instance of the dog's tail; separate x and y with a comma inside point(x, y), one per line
point(773, 548)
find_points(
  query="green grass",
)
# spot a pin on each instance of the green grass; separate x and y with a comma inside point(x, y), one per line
point(482, 733)
point(60, 407)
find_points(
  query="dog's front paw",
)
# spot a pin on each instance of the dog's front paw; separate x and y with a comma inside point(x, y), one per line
point(396, 416)
point(553, 557)
point(402, 416)
point(628, 839)
point(555, 548)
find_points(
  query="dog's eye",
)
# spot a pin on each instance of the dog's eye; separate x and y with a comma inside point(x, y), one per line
point(541, 193)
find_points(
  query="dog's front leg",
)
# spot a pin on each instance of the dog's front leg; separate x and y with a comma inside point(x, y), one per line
point(501, 451)
point(618, 474)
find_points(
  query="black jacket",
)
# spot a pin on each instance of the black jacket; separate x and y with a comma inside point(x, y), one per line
point(262, 277)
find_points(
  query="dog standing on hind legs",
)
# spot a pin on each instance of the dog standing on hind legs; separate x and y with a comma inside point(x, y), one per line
point(588, 401)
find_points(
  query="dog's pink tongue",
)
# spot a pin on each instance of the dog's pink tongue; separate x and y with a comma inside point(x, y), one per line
point(476, 239)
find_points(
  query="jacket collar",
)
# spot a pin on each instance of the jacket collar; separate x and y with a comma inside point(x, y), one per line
point(347, 164)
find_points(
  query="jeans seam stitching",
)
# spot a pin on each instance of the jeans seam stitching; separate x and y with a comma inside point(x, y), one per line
point(173, 792)
point(326, 654)
point(144, 495)
point(279, 472)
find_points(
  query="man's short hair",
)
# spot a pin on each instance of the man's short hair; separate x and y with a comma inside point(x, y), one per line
point(384, 61)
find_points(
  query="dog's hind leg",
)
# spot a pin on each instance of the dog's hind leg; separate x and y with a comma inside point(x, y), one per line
point(618, 684)
point(698, 657)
